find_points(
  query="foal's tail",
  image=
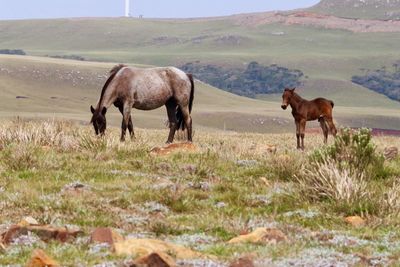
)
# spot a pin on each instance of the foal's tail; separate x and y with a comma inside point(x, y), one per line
point(179, 114)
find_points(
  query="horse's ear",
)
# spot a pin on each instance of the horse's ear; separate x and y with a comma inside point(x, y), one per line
point(92, 109)
point(104, 111)
point(293, 89)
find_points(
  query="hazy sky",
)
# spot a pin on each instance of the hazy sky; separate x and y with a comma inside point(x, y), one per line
point(20, 9)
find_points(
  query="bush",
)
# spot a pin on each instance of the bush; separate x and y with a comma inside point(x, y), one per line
point(253, 80)
point(12, 52)
point(354, 152)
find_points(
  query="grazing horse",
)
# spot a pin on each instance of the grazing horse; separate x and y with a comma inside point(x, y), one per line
point(146, 89)
point(303, 110)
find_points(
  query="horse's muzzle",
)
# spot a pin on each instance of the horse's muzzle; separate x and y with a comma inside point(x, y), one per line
point(284, 107)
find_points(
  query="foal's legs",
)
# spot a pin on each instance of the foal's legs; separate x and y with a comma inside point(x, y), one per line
point(173, 123)
point(188, 121)
point(298, 133)
point(324, 128)
point(331, 126)
point(126, 117)
point(302, 131)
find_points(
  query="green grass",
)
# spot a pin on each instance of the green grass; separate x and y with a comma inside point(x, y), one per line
point(124, 178)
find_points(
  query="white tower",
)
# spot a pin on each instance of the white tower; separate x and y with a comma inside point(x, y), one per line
point(127, 8)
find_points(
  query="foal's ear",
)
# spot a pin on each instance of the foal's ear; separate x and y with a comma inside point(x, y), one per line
point(293, 89)
point(104, 110)
point(92, 109)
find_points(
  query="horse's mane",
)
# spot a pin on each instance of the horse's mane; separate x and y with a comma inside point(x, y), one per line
point(113, 72)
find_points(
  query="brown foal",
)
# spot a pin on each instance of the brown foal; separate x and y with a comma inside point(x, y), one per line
point(304, 110)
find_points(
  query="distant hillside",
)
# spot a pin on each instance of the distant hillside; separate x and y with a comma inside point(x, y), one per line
point(326, 51)
point(366, 9)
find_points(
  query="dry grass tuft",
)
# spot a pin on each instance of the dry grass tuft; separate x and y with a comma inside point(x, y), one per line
point(324, 180)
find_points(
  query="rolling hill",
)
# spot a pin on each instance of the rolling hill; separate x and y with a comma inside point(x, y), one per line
point(366, 9)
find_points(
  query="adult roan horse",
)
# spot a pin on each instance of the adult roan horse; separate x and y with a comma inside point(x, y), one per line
point(146, 89)
point(303, 110)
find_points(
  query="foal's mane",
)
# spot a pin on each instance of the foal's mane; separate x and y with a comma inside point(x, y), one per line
point(113, 72)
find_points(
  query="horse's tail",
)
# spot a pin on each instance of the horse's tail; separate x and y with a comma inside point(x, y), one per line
point(179, 114)
point(332, 104)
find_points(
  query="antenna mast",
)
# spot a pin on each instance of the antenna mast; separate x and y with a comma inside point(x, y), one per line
point(127, 8)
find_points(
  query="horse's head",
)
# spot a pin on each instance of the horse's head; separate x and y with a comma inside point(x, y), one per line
point(99, 120)
point(287, 95)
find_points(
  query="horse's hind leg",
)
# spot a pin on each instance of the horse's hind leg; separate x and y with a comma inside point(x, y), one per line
point(324, 127)
point(298, 133)
point(173, 122)
point(331, 126)
point(302, 132)
point(188, 121)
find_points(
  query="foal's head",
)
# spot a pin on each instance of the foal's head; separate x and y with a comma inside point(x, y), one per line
point(287, 95)
point(99, 120)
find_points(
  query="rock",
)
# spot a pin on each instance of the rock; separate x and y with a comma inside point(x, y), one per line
point(142, 247)
point(220, 205)
point(172, 148)
point(247, 163)
point(242, 262)
point(28, 221)
point(75, 189)
point(44, 232)
point(40, 259)
point(261, 235)
point(155, 260)
point(355, 221)
point(105, 235)
point(391, 153)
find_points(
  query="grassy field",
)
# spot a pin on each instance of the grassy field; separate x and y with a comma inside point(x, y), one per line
point(201, 199)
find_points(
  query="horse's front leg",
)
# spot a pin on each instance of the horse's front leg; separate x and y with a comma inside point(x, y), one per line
point(126, 116)
point(297, 133)
point(302, 132)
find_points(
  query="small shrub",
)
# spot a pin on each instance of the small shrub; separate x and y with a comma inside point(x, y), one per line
point(353, 152)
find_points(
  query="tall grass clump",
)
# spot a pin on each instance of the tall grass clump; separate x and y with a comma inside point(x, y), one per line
point(341, 174)
point(47, 133)
point(20, 157)
point(285, 167)
point(325, 181)
point(94, 143)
